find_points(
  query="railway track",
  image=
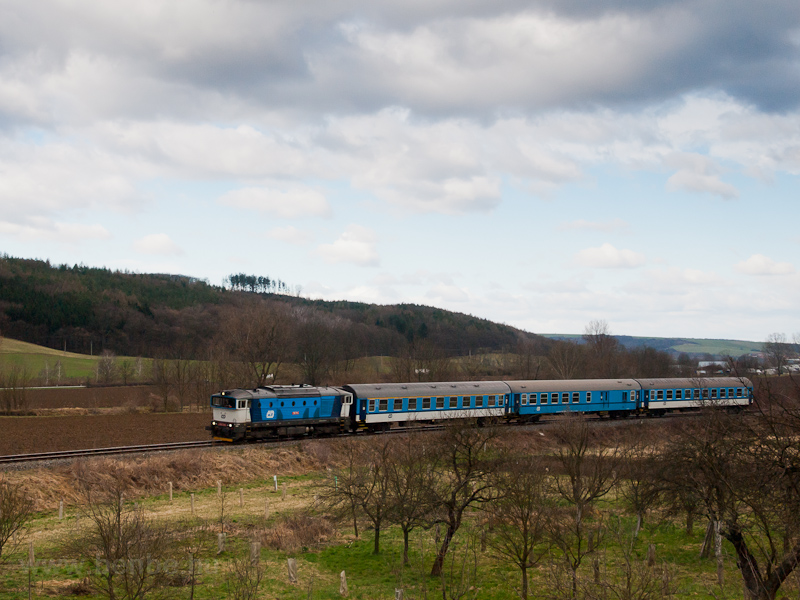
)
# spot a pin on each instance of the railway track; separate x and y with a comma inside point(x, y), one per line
point(71, 454)
point(46, 456)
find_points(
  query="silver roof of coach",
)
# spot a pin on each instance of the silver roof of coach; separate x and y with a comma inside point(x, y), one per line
point(571, 385)
point(417, 390)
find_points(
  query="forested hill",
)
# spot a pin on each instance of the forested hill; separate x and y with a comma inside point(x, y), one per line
point(83, 309)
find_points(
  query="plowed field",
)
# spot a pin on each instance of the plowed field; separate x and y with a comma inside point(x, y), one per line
point(20, 435)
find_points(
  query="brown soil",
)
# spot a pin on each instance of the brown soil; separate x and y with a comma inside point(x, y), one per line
point(48, 434)
point(94, 397)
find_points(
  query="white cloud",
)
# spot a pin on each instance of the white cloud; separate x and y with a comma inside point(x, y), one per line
point(609, 257)
point(758, 264)
point(290, 204)
point(356, 245)
point(68, 233)
point(447, 293)
point(289, 234)
point(157, 243)
point(698, 173)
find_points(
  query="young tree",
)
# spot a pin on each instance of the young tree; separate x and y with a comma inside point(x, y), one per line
point(16, 509)
point(123, 546)
point(746, 474)
point(463, 467)
point(519, 516)
point(410, 482)
point(589, 473)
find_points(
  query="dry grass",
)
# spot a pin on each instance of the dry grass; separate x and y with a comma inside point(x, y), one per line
point(294, 532)
point(188, 470)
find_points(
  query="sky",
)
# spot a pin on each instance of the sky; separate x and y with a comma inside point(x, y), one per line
point(542, 164)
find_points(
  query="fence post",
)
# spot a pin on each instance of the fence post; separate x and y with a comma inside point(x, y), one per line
point(292, 565)
point(342, 584)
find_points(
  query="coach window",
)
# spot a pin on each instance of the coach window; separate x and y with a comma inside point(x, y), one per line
point(660, 394)
point(738, 392)
point(696, 394)
point(426, 404)
point(524, 399)
point(589, 396)
point(669, 394)
point(677, 394)
point(383, 405)
point(554, 398)
point(576, 397)
point(705, 393)
point(564, 397)
point(440, 403)
point(714, 393)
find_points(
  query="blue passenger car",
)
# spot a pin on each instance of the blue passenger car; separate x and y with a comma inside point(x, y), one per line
point(532, 399)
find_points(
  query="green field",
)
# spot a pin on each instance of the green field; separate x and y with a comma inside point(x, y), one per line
point(55, 366)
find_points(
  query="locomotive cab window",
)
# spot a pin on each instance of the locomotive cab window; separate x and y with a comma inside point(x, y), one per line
point(223, 402)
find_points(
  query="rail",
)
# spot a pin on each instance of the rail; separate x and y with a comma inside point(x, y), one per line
point(39, 456)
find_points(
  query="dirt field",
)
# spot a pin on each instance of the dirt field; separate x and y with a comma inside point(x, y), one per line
point(48, 434)
point(93, 397)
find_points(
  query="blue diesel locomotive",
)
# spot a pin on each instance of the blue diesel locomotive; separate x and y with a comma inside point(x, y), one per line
point(291, 410)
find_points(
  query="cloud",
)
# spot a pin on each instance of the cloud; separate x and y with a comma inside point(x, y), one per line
point(698, 174)
point(290, 204)
point(356, 245)
point(609, 257)
point(66, 233)
point(447, 293)
point(758, 264)
point(158, 244)
point(290, 235)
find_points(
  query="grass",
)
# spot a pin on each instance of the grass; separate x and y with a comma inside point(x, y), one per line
point(368, 576)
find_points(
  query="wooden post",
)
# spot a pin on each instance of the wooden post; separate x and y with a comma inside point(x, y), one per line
point(651, 555)
point(266, 508)
point(220, 543)
point(255, 553)
point(718, 553)
point(169, 484)
point(241, 497)
point(275, 479)
point(292, 565)
point(342, 584)
point(283, 493)
point(219, 488)
point(192, 496)
point(60, 509)
point(398, 594)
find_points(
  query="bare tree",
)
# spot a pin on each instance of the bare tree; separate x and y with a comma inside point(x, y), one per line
point(777, 351)
point(461, 461)
point(16, 509)
point(519, 516)
point(603, 349)
point(259, 336)
point(243, 578)
point(124, 546)
point(590, 471)
point(566, 359)
point(746, 474)
point(410, 482)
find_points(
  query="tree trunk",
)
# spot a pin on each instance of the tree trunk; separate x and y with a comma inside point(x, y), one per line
point(524, 591)
point(377, 547)
point(438, 564)
point(405, 546)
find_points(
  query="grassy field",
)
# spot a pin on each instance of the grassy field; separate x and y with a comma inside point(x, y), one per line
point(293, 524)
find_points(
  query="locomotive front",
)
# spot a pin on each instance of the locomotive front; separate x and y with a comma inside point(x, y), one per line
point(231, 415)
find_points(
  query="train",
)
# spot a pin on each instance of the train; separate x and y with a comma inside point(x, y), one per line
point(281, 411)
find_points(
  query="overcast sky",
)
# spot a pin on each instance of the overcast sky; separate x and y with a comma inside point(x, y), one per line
point(541, 164)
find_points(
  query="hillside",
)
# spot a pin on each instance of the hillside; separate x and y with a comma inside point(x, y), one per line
point(694, 347)
point(90, 310)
